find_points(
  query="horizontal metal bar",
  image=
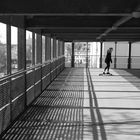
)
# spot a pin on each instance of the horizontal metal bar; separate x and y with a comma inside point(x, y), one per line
point(64, 14)
point(65, 28)
point(3, 107)
point(17, 97)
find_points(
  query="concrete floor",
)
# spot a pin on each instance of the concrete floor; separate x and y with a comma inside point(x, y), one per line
point(81, 105)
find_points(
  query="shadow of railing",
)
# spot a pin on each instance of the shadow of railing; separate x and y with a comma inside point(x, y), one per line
point(95, 106)
point(118, 98)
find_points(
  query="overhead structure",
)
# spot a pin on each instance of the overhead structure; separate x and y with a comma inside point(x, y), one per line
point(84, 20)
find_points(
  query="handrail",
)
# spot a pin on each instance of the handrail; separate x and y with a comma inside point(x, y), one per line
point(18, 73)
point(7, 77)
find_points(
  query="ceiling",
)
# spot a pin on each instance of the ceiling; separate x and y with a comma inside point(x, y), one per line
point(83, 20)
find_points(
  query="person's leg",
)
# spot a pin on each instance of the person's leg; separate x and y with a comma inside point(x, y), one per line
point(108, 66)
point(105, 68)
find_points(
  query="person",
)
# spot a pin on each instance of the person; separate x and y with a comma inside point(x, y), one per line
point(108, 59)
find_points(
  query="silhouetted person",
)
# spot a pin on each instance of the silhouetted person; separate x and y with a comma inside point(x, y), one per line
point(108, 59)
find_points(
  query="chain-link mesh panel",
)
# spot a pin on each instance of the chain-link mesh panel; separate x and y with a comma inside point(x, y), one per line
point(18, 106)
point(17, 86)
point(4, 118)
point(4, 94)
point(37, 89)
point(37, 74)
point(30, 77)
point(30, 95)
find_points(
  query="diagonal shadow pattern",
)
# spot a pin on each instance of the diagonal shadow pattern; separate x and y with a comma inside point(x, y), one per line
point(56, 114)
point(92, 96)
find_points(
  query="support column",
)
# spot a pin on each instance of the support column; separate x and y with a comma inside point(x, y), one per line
point(63, 48)
point(9, 65)
point(39, 49)
point(72, 56)
point(8, 49)
point(33, 48)
point(48, 48)
point(101, 50)
point(129, 57)
point(58, 48)
point(54, 47)
point(115, 59)
point(22, 58)
point(51, 49)
point(21, 49)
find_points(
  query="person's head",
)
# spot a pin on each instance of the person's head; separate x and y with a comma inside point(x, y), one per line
point(111, 49)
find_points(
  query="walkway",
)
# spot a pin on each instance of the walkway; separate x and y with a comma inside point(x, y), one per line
point(81, 105)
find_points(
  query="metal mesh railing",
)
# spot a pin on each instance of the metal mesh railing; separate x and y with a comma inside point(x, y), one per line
point(19, 89)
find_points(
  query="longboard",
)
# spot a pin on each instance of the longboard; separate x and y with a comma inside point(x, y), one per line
point(101, 74)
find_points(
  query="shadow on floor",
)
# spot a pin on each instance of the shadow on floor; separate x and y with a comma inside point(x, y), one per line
point(56, 114)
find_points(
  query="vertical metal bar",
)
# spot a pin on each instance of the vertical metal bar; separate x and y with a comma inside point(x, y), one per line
point(51, 56)
point(8, 49)
point(63, 48)
point(129, 57)
point(41, 62)
point(21, 49)
point(101, 50)
point(39, 49)
point(22, 57)
point(9, 65)
point(58, 48)
point(87, 56)
point(33, 48)
point(33, 59)
point(39, 55)
point(46, 48)
point(63, 54)
point(49, 48)
point(72, 56)
point(54, 47)
point(115, 59)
